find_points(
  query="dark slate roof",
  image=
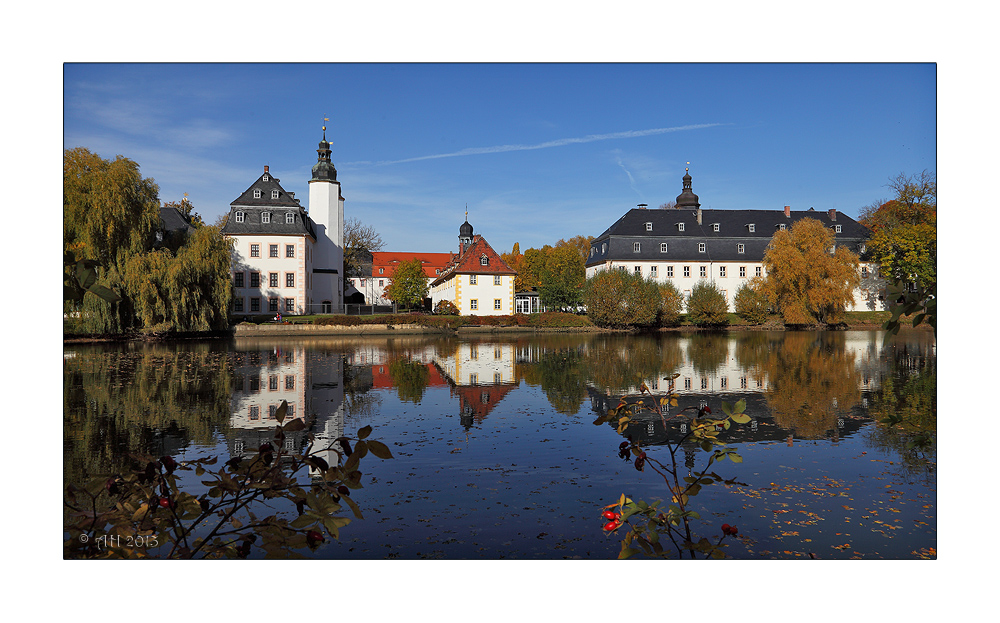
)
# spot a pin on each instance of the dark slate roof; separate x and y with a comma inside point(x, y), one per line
point(254, 208)
point(719, 245)
point(247, 199)
point(172, 220)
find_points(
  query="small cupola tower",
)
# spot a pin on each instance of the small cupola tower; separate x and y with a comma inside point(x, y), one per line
point(326, 209)
point(465, 234)
point(687, 198)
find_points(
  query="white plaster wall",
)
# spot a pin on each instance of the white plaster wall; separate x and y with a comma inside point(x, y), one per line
point(265, 265)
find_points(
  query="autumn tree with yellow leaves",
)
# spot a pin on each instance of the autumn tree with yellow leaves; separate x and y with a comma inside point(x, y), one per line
point(809, 278)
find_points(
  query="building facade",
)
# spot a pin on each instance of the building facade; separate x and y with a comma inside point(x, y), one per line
point(373, 284)
point(287, 259)
point(689, 244)
point(477, 281)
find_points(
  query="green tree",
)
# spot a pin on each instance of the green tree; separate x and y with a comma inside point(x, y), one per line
point(904, 230)
point(671, 304)
point(751, 302)
point(581, 243)
point(529, 272)
point(513, 259)
point(408, 285)
point(562, 278)
point(807, 279)
point(618, 298)
point(707, 305)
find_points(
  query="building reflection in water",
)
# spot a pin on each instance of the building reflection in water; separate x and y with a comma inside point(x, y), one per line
point(311, 381)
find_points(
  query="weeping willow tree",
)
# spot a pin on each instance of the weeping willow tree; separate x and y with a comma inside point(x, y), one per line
point(110, 218)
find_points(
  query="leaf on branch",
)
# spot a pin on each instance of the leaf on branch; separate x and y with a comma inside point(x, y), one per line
point(364, 432)
point(280, 412)
point(379, 449)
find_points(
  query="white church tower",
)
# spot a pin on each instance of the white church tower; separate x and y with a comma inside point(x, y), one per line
point(326, 209)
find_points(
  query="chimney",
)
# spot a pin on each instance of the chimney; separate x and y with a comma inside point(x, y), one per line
point(642, 206)
point(788, 211)
point(833, 214)
point(265, 168)
point(699, 216)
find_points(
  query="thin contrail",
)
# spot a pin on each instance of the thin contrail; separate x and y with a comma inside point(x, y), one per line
point(475, 151)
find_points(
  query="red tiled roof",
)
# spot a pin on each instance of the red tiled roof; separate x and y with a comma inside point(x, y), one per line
point(389, 260)
point(469, 262)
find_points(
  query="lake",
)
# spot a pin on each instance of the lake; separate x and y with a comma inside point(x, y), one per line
point(496, 451)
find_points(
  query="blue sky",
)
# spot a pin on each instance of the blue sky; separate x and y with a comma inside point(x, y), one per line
point(538, 152)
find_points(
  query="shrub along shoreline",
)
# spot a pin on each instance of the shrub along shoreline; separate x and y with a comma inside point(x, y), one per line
point(518, 323)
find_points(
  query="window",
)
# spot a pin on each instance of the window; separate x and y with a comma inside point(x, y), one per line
point(289, 280)
point(497, 353)
point(652, 271)
point(670, 271)
point(715, 227)
point(273, 250)
point(272, 383)
point(272, 411)
point(649, 227)
point(381, 283)
point(255, 250)
point(687, 383)
point(680, 226)
point(238, 280)
point(722, 271)
point(483, 260)
point(256, 193)
point(758, 271)
point(289, 250)
point(604, 248)
point(741, 248)
point(474, 304)
point(836, 228)
point(743, 382)
point(266, 177)
point(663, 247)
point(240, 216)
point(473, 379)
point(255, 304)
point(289, 381)
point(635, 247)
point(272, 304)
point(381, 270)
point(472, 280)
point(289, 218)
point(704, 383)
point(723, 383)
point(272, 280)
point(701, 247)
point(274, 194)
point(496, 280)
point(687, 271)
point(637, 270)
point(864, 272)
point(497, 378)
point(289, 305)
point(362, 283)
point(496, 303)
point(702, 271)
point(781, 227)
point(752, 228)
point(237, 304)
point(743, 271)
point(254, 412)
point(265, 217)
point(254, 280)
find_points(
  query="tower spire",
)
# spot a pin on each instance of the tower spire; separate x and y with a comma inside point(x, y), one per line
point(324, 170)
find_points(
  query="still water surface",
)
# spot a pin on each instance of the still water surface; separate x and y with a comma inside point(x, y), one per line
point(496, 453)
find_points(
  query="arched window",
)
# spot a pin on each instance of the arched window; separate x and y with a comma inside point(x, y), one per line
point(483, 260)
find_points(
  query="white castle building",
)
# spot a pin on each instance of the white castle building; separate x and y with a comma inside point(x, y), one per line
point(287, 259)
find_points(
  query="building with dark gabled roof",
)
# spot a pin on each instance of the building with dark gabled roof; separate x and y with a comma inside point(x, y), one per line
point(477, 280)
point(688, 244)
point(287, 259)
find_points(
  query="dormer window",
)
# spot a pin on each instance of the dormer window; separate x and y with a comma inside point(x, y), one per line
point(752, 227)
point(604, 248)
point(483, 260)
point(701, 247)
point(715, 227)
point(289, 218)
point(663, 247)
point(240, 217)
point(256, 193)
point(680, 226)
point(836, 228)
point(740, 248)
point(266, 177)
point(274, 194)
point(649, 227)
point(265, 217)
point(636, 247)
point(781, 227)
